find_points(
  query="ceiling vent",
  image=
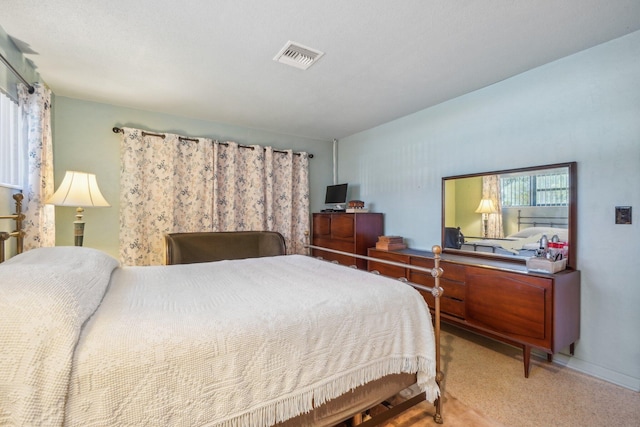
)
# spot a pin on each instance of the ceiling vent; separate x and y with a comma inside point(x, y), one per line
point(297, 55)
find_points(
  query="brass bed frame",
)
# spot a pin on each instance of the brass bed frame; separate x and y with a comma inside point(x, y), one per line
point(437, 292)
point(356, 417)
point(18, 233)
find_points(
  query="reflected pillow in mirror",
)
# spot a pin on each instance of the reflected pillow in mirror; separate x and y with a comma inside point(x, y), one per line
point(549, 231)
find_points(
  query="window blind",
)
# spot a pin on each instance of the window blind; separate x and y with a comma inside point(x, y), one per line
point(13, 144)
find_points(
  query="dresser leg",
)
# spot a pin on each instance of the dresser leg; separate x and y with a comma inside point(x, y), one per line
point(572, 348)
point(526, 353)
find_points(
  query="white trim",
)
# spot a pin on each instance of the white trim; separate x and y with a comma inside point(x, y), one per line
point(596, 371)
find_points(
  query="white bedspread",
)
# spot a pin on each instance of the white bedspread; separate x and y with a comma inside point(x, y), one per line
point(234, 343)
point(46, 295)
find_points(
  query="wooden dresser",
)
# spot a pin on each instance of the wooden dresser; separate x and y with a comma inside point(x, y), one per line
point(347, 232)
point(498, 299)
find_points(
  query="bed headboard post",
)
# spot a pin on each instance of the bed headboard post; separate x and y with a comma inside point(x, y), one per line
point(3, 236)
point(18, 233)
point(19, 218)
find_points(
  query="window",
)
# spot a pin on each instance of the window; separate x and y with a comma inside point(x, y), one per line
point(13, 144)
point(550, 188)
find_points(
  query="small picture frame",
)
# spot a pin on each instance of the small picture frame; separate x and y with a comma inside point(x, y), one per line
point(623, 214)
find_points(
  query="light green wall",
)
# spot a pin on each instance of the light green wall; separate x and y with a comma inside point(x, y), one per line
point(83, 140)
point(583, 108)
point(468, 195)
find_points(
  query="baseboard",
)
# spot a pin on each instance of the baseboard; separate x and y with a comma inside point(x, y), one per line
point(572, 362)
point(596, 371)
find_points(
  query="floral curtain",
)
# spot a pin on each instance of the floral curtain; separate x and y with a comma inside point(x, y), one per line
point(39, 223)
point(175, 184)
point(491, 190)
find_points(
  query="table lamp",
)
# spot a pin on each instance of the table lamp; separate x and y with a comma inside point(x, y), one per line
point(78, 189)
point(485, 208)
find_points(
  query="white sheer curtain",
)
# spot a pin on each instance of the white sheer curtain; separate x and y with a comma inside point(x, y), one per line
point(179, 185)
point(39, 223)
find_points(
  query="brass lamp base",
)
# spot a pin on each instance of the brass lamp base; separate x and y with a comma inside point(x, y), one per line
point(78, 232)
point(78, 227)
point(485, 228)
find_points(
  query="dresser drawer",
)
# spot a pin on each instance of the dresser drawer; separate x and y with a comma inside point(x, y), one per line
point(322, 226)
point(386, 269)
point(335, 245)
point(451, 271)
point(454, 291)
point(449, 306)
point(342, 227)
point(515, 304)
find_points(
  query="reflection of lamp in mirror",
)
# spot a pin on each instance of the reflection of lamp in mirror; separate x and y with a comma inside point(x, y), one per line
point(78, 189)
point(485, 208)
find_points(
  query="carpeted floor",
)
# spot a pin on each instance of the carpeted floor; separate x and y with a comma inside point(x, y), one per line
point(486, 377)
point(455, 414)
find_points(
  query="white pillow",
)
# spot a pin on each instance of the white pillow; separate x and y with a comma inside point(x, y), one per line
point(549, 231)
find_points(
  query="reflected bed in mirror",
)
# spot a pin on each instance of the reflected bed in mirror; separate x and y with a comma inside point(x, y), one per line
point(504, 214)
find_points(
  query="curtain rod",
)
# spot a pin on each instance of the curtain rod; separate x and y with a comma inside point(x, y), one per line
point(14, 71)
point(182, 138)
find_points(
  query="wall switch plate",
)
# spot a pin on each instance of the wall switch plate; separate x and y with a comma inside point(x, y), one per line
point(623, 214)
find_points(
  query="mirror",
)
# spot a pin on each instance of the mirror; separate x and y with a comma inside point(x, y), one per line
point(504, 214)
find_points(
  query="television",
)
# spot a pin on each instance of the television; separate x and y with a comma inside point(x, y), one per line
point(336, 195)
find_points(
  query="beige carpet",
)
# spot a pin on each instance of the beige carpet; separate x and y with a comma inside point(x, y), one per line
point(488, 376)
point(487, 379)
point(455, 414)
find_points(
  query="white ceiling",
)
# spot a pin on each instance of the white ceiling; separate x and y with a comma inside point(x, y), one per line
point(213, 59)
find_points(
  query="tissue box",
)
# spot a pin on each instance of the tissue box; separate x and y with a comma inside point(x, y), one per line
point(546, 265)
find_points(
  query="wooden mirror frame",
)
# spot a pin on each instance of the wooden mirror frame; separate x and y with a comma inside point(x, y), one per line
point(571, 214)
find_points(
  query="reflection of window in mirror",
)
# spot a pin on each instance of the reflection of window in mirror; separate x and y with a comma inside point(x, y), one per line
point(542, 197)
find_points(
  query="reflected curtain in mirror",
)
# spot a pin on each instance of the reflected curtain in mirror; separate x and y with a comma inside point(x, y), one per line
point(491, 191)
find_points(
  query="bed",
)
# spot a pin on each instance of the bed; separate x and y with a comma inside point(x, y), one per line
point(524, 243)
point(252, 342)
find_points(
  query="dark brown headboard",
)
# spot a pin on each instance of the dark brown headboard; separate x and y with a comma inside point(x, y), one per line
point(187, 248)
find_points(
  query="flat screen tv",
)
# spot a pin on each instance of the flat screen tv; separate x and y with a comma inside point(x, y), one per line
point(336, 195)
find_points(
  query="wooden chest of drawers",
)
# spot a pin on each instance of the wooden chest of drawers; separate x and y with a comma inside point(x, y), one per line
point(348, 232)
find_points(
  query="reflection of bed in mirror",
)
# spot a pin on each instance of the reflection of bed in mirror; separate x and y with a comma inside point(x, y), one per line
point(523, 243)
point(526, 241)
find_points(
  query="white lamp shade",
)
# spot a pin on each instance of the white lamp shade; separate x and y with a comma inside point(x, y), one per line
point(78, 189)
point(486, 206)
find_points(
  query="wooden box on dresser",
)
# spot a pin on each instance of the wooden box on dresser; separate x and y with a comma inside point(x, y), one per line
point(347, 232)
point(498, 299)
